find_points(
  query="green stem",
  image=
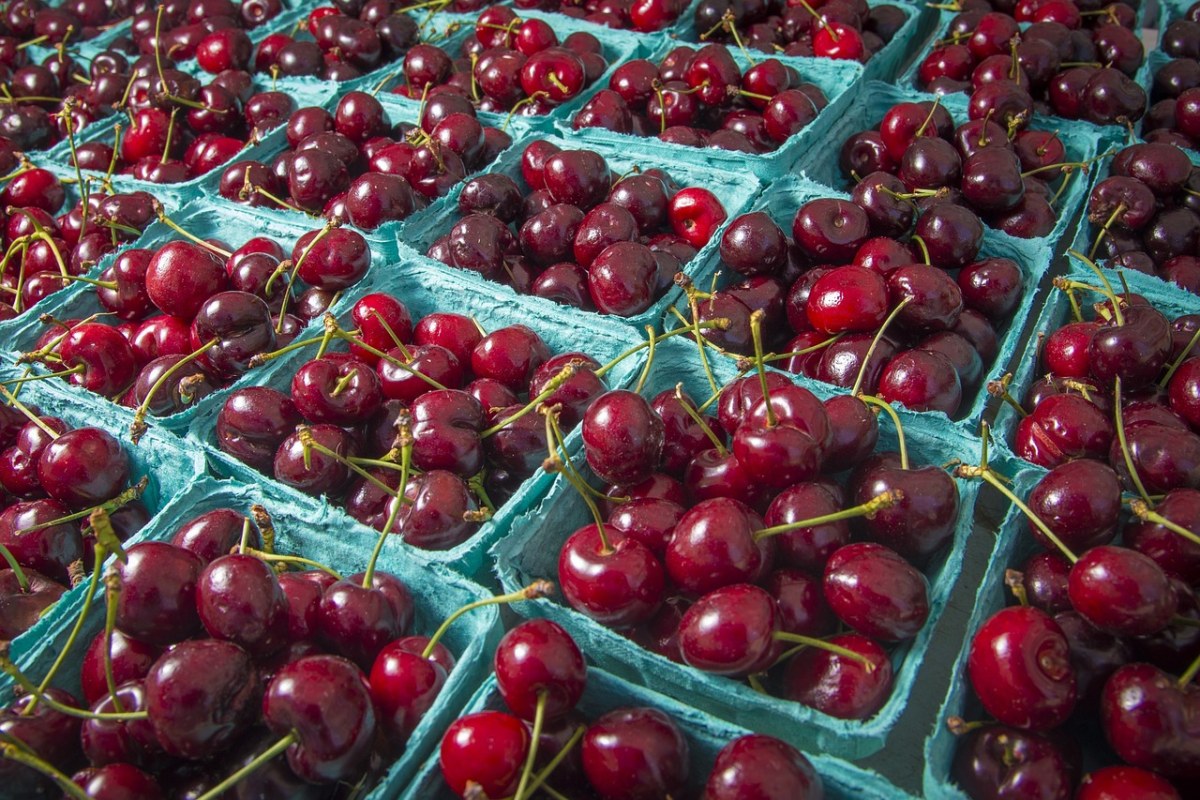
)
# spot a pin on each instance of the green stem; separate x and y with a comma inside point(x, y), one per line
point(531, 592)
point(29, 759)
point(891, 412)
point(1124, 443)
point(539, 719)
point(88, 597)
point(862, 370)
point(821, 644)
point(22, 579)
point(261, 759)
point(405, 464)
point(877, 503)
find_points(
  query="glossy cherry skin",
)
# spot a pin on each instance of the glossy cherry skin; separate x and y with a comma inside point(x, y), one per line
point(131, 661)
point(158, 587)
point(1019, 665)
point(713, 545)
point(1121, 591)
point(923, 520)
point(49, 549)
point(807, 548)
point(619, 586)
point(997, 761)
point(108, 362)
point(1080, 502)
point(623, 437)
point(84, 467)
point(730, 631)
point(322, 474)
point(876, 592)
point(762, 766)
point(1177, 556)
point(50, 734)
point(183, 275)
point(637, 753)
point(404, 686)
point(1117, 782)
point(239, 599)
point(1147, 720)
point(358, 622)
point(253, 423)
point(200, 695)
point(20, 609)
point(839, 686)
point(486, 748)
point(538, 658)
point(212, 534)
point(333, 739)
point(1062, 427)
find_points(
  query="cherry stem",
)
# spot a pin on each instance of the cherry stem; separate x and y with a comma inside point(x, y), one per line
point(891, 412)
point(173, 225)
point(832, 34)
point(539, 719)
point(533, 591)
point(1108, 287)
point(792, 353)
point(564, 467)
point(989, 476)
point(960, 727)
point(85, 608)
point(112, 591)
point(138, 427)
point(645, 375)
point(75, 370)
point(821, 644)
point(10, 669)
point(1183, 356)
point(700, 344)
point(124, 498)
point(862, 370)
point(1143, 511)
point(552, 386)
point(12, 400)
point(1015, 581)
point(604, 370)
point(756, 319)
point(1190, 673)
point(924, 248)
point(262, 358)
point(261, 759)
point(387, 328)
point(405, 439)
point(294, 271)
point(699, 420)
point(548, 770)
point(1120, 209)
point(1124, 442)
point(32, 761)
point(928, 117)
point(22, 579)
point(336, 331)
point(870, 508)
point(279, 558)
point(999, 388)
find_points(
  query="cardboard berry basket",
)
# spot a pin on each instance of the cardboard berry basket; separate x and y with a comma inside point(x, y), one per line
point(231, 224)
point(887, 62)
point(908, 80)
point(425, 290)
point(312, 531)
point(841, 82)
point(1013, 545)
point(735, 191)
point(617, 47)
point(706, 736)
point(169, 466)
point(532, 549)
point(1082, 142)
point(784, 197)
point(1055, 311)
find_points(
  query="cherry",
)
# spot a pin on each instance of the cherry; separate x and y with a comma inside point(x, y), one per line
point(876, 592)
point(623, 437)
point(538, 665)
point(1121, 591)
point(761, 766)
point(253, 423)
point(729, 631)
point(714, 545)
point(158, 588)
point(995, 759)
point(1144, 713)
point(182, 276)
point(609, 576)
point(487, 749)
point(837, 685)
point(635, 753)
point(22, 606)
point(1122, 781)
point(240, 600)
point(1080, 502)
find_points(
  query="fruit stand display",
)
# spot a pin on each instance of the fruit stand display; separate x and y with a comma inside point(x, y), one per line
point(599, 399)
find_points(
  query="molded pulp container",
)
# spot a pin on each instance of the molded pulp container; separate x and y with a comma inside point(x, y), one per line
point(531, 551)
point(226, 222)
point(841, 82)
point(705, 735)
point(735, 191)
point(425, 290)
point(313, 532)
point(1083, 142)
point(782, 199)
point(170, 467)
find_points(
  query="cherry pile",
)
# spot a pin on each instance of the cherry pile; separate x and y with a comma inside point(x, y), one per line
point(849, 274)
point(642, 16)
point(185, 318)
point(36, 22)
point(213, 31)
point(1146, 214)
point(701, 98)
point(434, 411)
point(842, 29)
point(1129, 352)
point(1005, 174)
point(68, 503)
point(627, 751)
point(1174, 114)
point(38, 114)
point(583, 237)
point(507, 65)
point(354, 164)
point(1052, 66)
point(726, 540)
point(46, 249)
point(213, 655)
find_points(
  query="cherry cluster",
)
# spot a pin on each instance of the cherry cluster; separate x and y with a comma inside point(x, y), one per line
point(348, 40)
point(852, 299)
point(45, 252)
point(843, 29)
point(213, 664)
point(215, 31)
point(642, 16)
point(68, 502)
point(1150, 431)
point(507, 65)
point(192, 314)
point(355, 165)
point(1146, 214)
point(36, 113)
point(583, 238)
point(1004, 174)
point(728, 539)
point(1053, 66)
point(36, 22)
point(438, 401)
point(701, 98)
point(630, 751)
